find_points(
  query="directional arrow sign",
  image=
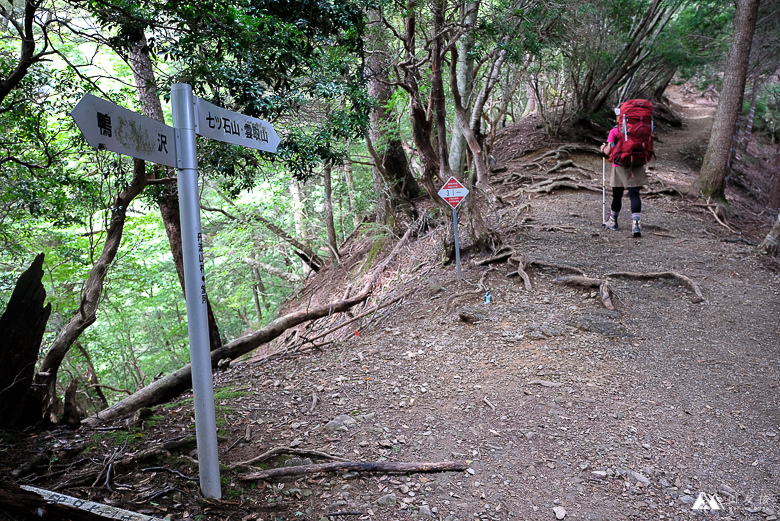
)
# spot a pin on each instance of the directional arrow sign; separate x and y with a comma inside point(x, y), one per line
point(231, 127)
point(453, 192)
point(107, 126)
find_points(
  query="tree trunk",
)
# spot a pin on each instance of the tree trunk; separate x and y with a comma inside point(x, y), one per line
point(391, 163)
point(299, 218)
point(712, 177)
point(333, 244)
point(480, 165)
point(21, 331)
point(438, 101)
point(464, 83)
point(348, 179)
point(749, 124)
point(143, 73)
point(92, 378)
point(46, 378)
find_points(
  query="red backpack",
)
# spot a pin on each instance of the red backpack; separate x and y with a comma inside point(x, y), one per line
point(634, 146)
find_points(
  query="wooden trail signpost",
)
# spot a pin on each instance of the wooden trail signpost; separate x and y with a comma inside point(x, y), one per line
point(108, 126)
point(453, 192)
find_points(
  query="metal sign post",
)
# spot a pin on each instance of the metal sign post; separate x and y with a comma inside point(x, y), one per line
point(108, 126)
point(453, 192)
point(457, 242)
point(195, 290)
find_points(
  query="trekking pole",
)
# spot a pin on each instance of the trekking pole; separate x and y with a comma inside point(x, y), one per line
point(603, 189)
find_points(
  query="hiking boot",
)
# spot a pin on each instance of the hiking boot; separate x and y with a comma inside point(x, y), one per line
point(611, 223)
point(637, 229)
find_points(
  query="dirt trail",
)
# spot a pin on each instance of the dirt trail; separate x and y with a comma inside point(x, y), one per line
point(553, 400)
point(559, 406)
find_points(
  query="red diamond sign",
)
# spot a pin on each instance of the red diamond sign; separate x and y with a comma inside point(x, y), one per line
point(453, 192)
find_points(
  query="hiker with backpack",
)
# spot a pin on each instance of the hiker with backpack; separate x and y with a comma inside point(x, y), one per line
point(629, 147)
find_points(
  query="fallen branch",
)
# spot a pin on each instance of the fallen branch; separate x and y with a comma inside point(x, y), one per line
point(103, 386)
point(688, 283)
point(389, 467)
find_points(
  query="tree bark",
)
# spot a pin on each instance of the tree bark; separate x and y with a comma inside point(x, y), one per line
point(143, 73)
point(92, 378)
point(712, 177)
point(333, 244)
point(21, 331)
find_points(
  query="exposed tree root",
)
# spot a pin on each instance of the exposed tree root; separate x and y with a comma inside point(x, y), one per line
point(389, 467)
point(276, 451)
point(459, 296)
point(562, 184)
point(562, 267)
point(770, 244)
point(722, 223)
point(580, 280)
point(688, 283)
point(568, 149)
point(605, 291)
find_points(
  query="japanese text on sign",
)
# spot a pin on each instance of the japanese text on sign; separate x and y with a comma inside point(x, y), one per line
point(231, 127)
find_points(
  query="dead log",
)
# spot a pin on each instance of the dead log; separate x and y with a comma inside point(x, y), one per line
point(688, 283)
point(21, 330)
point(389, 467)
point(172, 385)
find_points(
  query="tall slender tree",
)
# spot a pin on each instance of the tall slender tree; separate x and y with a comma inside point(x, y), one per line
point(712, 177)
